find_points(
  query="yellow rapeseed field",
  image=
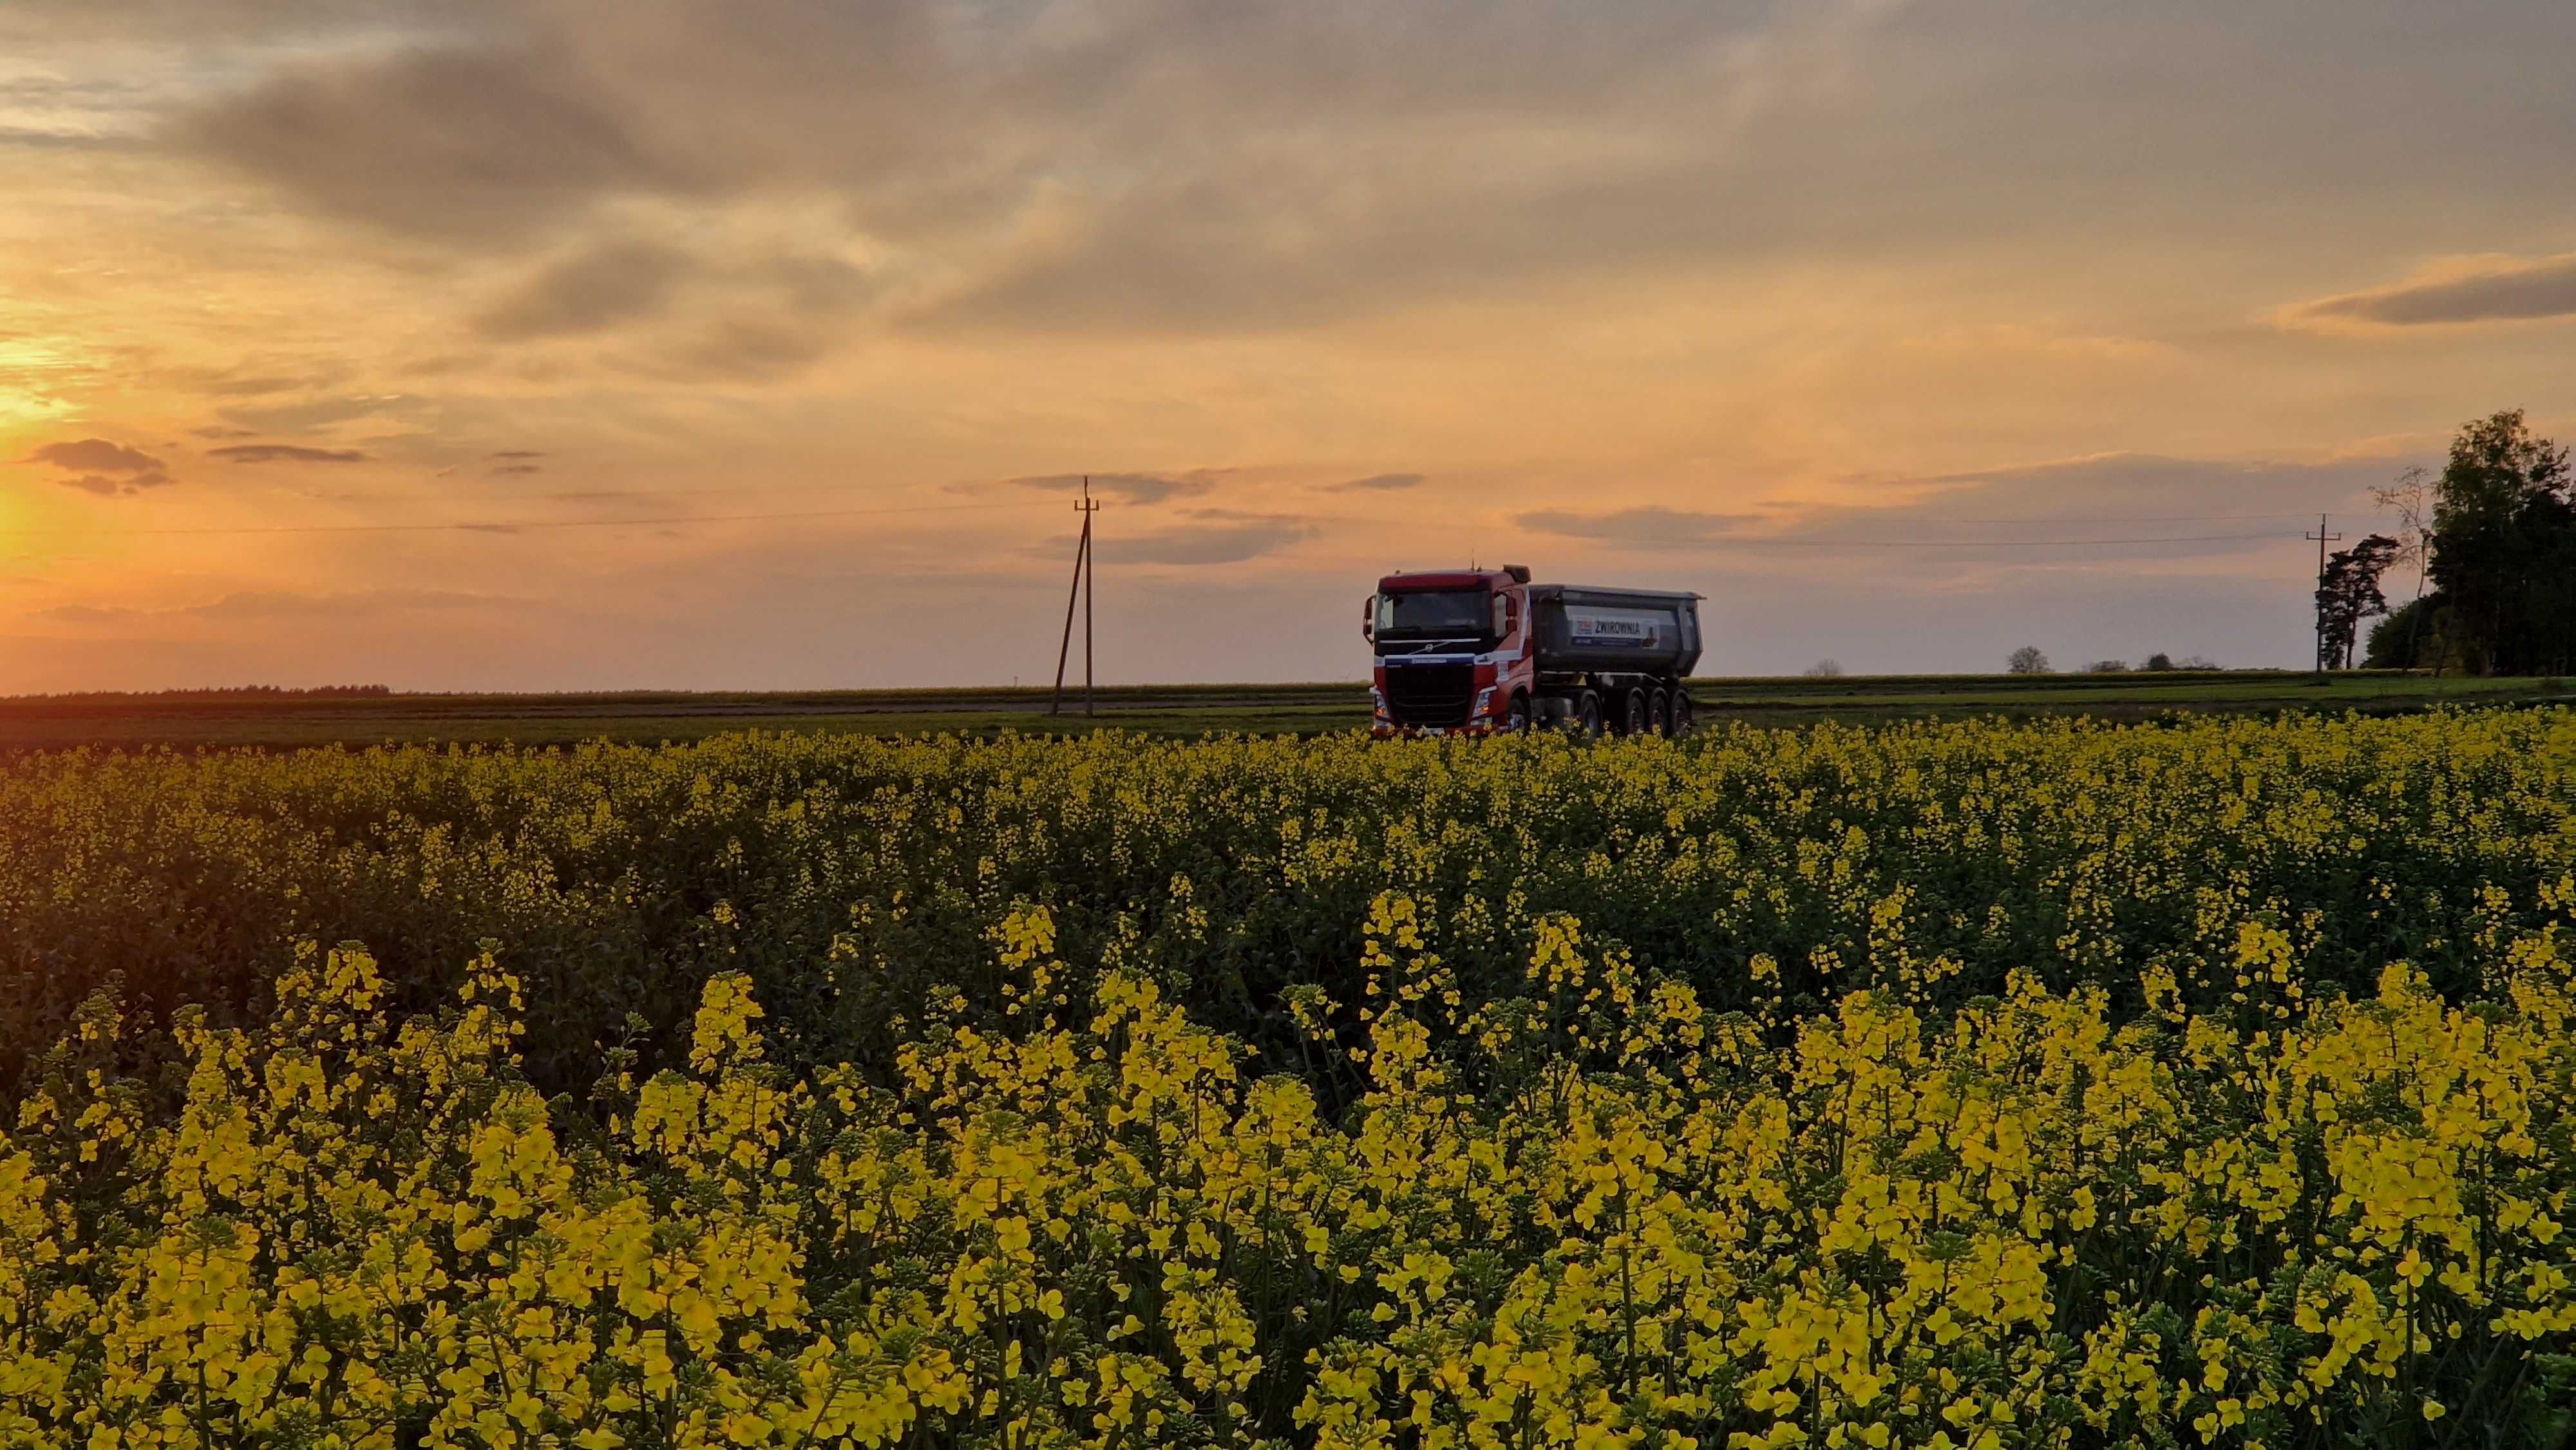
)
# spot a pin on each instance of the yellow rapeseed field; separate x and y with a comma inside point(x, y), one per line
point(1678, 1094)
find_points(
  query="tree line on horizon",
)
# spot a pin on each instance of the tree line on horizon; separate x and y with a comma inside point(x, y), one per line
point(214, 692)
point(2030, 659)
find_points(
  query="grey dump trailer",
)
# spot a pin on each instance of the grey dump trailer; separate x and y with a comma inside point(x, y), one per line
point(1612, 658)
point(1624, 631)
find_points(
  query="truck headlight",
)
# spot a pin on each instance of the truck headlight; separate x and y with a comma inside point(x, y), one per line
point(1377, 701)
point(1485, 699)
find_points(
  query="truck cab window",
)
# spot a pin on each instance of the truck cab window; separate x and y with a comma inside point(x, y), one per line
point(1432, 614)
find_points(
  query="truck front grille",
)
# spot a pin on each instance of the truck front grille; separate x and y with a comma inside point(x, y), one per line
point(1430, 695)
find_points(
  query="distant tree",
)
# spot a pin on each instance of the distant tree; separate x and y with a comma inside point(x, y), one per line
point(2503, 549)
point(2417, 635)
point(2028, 660)
point(2107, 667)
point(2348, 594)
point(2396, 639)
point(2196, 662)
point(1825, 670)
point(2412, 497)
point(2159, 662)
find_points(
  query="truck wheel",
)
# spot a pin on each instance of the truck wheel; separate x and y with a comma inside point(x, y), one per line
point(1587, 715)
point(1517, 722)
point(1677, 720)
point(1636, 713)
point(1659, 714)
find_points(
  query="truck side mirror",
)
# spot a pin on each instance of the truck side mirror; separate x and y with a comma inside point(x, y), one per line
point(1502, 617)
point(1368, 619)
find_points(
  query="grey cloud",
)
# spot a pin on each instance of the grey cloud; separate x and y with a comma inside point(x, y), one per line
point(2517, 292)
point(276, 604)
point(2095, 511)
point(598, 288)
point(1220, 543)
point(446, 364)
point(284, 453)
point(103, 467)
point(283, 604)
point(495, 136)
point(96, 455)
point(66, 110)
point(253, 386)
point(117, 485)
point(751, 348)
point(1181, 165)
point(518, 454)
point(218, 431)
point(1953, 571)
point(508, 468)
point(1335, 151)
point(735, 319)
point(33, 138)
point(747, 348)
point(218, 20)
point(814, 285)
point(1378, 483)
point(317, 413)
point(2125, 489)
point(86, 613)
point(1292, 240)
point(1651, 527)
point(1144, 488)
point(474, 145)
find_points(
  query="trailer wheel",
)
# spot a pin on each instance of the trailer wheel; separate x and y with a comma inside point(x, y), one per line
point(1677, 720)
point(1659, 714)
point(1587, 715)
point(1636, 713)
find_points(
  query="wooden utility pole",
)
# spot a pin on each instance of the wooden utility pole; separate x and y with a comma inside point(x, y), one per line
point(2323, 538)
point(1080, 593)
point(1090, 576)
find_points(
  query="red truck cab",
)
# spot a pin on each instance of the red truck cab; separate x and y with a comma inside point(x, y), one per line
point(1453, 651)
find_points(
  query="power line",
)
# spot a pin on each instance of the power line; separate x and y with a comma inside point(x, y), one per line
point(2118, 519)
point(505, 526)
point(563, 495)
point(1982, 543)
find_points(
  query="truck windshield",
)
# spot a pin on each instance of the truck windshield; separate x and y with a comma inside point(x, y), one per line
point(1432, 614)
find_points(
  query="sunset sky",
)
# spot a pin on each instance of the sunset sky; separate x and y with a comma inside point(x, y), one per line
point(759, 341)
